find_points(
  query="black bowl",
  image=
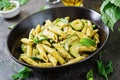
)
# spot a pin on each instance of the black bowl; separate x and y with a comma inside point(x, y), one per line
point(22, 29)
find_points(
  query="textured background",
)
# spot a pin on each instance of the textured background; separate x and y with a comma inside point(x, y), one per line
point(9, 67)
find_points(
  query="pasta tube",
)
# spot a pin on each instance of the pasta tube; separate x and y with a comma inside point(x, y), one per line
point(76, 59)
point(63, 52)
point(54, 53)
point(27, 41)
point(42, 52)
point(50, 35)
point(52, 60)
point(29, 50)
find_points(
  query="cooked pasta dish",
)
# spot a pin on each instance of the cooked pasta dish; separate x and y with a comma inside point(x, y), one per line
point(59, 42)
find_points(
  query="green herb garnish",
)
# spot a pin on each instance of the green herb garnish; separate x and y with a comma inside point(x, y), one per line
point(90, 75)
point(36, 58)
point(22, 74)
point(36, 41)
point(11, 26)
point(87, 42)
point(110, 11)
point(103, 69)
point(94, 26)
point(61, 20)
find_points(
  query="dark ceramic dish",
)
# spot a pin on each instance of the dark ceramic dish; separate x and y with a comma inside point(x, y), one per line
point(22, 29)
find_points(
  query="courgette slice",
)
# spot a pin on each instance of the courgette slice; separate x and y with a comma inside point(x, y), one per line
point(77, 24)
point(74, 49)
point(69, 41)
point(24, 48)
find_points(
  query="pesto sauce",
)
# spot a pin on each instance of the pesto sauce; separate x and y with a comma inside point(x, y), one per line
point(10, 7)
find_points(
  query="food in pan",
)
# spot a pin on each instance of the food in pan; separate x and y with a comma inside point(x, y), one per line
point(59, 42)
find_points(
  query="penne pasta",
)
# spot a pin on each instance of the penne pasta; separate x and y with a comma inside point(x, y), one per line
point(54, 53)
point(52, 60)
point(27, 41)
point(63, 52)
point(50, 35)
point(29, 50)
point(42, 52)
point(59, 42)
point(76, 59)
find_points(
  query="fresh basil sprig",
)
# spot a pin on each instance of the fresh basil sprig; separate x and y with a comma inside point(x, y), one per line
point(87, 42)
point(104, 69)
point(22, 74)
point(110, 11)
point(90, 75)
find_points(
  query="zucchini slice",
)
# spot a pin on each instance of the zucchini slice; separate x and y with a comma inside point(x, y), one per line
point(77, 24)
point(69, 41)
point(74, 49)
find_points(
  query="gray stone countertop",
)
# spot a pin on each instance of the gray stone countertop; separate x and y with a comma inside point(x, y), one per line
point(8, 66)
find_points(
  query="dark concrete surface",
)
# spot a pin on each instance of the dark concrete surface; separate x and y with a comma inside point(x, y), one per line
point(8, 66)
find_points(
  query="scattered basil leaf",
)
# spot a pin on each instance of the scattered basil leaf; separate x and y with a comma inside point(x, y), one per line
point(22, 2)
point(87, 42)
point(104, 69)
point(110, 10)
point(22, 74)
point(109, 68)
point(11, 26)
point(119, 29)
point(116, 2)
point(101, 69)
point(90, 75)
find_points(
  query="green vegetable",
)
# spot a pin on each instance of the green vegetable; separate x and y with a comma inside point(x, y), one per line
point(110, 11)
point(87, 42)
point(40, 40)
point(61, 20)
point(22, 74)
point(103, 69)
point(69, 41)
point(77, 24)
point(36, 58)
point(74, 49)
point(90, 75)
point(94, 26)
point(11, 26)
point(22, 2)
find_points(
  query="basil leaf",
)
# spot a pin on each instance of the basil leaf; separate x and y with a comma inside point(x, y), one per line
point(40, 39)
point(11, 26)
point(109, 68)
point(90, 75)
point(22, 74)
point(101, 69)
point(87, 42)
point(116, 2)
point(110, 12)
point(61, 20)
point(36, 58)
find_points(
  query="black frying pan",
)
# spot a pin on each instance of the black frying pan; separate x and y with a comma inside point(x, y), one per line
point(22, 29)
